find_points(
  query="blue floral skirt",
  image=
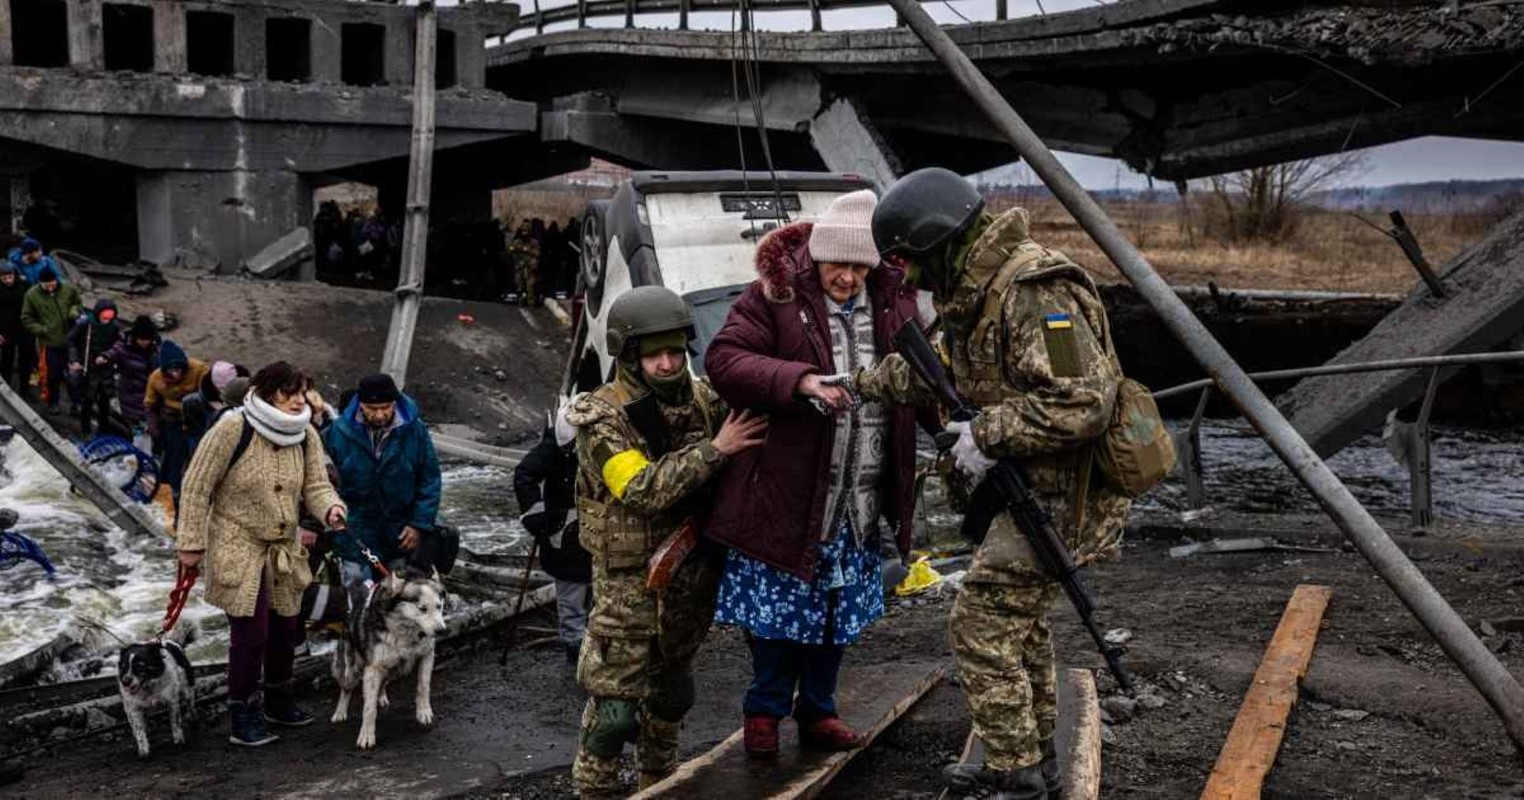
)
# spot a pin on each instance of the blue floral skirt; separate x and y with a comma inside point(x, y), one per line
point(773, 604)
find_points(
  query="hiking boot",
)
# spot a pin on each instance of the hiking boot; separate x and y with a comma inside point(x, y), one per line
point(1052, 779)
point(1019, 784)
point(968, 778)
point(829, 734)
point(248, 725)
point(281, 708)
point(761, 737)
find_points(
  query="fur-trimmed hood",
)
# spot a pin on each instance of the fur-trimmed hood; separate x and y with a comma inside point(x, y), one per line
point(783, 261)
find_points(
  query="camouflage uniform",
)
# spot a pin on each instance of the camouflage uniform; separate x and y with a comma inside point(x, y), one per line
point(526, 266)
point(1038, 362)
point(640, 646)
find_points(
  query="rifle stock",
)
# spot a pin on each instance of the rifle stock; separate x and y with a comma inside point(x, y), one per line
point(1015, 493)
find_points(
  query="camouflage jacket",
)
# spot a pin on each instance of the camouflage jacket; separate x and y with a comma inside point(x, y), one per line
point(525, 252)
point(1030, 344)
point(630, 497)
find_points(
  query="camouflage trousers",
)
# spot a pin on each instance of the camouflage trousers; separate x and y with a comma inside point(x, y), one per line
point(529, 285)
point(1003, 649)
point(640, 648)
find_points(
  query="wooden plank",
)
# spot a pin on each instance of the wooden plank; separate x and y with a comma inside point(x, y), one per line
point(870, 700)
point(1078, 734)
point(1250, 750)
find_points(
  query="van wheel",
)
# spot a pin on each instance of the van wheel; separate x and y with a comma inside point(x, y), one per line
point(594, 245)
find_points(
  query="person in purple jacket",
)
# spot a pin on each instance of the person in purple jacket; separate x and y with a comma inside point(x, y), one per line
point(802, 513)
point(135, 357)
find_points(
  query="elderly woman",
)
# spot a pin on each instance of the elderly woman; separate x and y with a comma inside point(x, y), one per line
point(239, 509)
point(801, 513)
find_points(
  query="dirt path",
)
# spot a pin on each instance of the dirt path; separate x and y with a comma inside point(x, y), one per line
point(1383, 713)
point(338, 334)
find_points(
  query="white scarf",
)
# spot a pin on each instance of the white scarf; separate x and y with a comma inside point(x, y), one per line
point(280, 428)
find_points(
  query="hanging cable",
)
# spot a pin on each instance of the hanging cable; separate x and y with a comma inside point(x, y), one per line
point(735, 91)
point(750, 50)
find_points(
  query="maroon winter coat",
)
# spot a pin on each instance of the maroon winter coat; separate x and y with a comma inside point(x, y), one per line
point(770, 500)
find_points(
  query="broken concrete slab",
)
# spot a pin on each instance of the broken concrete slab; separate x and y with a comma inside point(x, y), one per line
point(281, 255)
point(1485, 307)
point(1250, 545)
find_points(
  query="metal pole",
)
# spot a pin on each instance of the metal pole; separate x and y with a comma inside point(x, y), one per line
point(1461, 360)
point(1420, 461)
point(1410, 248)
point(415, 231)
point(1481, 667)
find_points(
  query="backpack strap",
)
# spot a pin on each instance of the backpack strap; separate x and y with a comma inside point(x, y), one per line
point(245, 438)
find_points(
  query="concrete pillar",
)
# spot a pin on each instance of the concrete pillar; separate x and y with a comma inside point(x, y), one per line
point(169, 37)
point(217, 219)
point(20, 191)
point(7, 53)
point(399, 51)
point(846, 142)
point(327, 50)
point(87, 50)
point(470, 57)
point(249, 42)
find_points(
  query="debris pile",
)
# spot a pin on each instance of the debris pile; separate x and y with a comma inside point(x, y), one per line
point(1411, 36)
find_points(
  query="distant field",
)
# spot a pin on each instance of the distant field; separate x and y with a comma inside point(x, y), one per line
point(1327, 250)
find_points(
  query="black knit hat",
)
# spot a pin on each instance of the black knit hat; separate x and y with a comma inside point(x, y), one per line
point(142, 328)
point(379, 388)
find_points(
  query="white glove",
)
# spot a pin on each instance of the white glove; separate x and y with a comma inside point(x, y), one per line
point(967, 456)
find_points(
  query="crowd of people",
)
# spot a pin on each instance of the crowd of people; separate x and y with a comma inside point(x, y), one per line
point(757, 497)
point(492, 260)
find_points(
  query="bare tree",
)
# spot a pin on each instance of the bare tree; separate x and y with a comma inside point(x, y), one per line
point(1261, 203)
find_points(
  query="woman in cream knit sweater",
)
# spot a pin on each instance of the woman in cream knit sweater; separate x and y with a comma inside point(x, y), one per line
point(242, 517)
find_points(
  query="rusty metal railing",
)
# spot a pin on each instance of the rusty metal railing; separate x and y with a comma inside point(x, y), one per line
point(1415, 434)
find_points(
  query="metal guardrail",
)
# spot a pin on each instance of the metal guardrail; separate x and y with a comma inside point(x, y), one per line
point(581, 10)
point(1415, 434)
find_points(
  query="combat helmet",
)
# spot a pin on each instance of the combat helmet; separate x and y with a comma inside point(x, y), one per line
point(646, 310)
point(924, 209)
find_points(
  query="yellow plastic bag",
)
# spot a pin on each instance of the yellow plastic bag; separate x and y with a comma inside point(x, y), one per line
point(920, 578)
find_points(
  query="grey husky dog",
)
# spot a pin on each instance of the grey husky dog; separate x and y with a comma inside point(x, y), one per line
point(390, 634)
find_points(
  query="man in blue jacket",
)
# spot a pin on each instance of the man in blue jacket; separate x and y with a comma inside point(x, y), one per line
point(29, 260)
point(388, 477)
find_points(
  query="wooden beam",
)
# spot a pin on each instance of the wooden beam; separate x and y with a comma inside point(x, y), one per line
point(1250, 750)
point(870, 699)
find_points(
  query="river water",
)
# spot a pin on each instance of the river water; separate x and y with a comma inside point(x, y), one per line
point(122, 581)
point(105, 575)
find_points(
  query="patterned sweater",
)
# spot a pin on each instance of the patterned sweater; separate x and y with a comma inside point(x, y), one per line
point(245, 517)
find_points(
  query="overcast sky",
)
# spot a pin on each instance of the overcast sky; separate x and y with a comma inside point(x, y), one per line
point(1418, 160)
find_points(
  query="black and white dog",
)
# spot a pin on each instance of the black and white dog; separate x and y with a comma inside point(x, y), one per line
point(154, 674)
point(389, 635)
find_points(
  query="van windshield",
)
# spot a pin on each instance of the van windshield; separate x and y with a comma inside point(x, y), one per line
point(710, 308)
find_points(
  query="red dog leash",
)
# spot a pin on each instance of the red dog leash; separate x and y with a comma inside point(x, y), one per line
point(185, 578)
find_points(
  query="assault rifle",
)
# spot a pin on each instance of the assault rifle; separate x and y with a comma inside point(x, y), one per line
point(1012, 492)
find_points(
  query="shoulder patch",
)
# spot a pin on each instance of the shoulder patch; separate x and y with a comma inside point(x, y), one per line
point(1057, 322)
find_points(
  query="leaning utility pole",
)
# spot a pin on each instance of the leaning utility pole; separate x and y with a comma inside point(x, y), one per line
point(415, 231)
point(1500, 689)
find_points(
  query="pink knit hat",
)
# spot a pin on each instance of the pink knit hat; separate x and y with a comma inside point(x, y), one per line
point(222, 372)
point(844, 233)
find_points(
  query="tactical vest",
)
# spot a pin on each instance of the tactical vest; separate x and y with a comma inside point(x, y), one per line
point(614, 534)
point(977, 333)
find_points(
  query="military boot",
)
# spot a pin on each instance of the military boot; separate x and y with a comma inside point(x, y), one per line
point(1052, 778)
point(1021, 784)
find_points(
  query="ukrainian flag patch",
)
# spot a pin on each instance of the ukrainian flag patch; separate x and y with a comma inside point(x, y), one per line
point(1057, 322)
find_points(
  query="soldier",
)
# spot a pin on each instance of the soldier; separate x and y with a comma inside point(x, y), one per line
point(647, 443)
point(525, 250)
point(1030, 346)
